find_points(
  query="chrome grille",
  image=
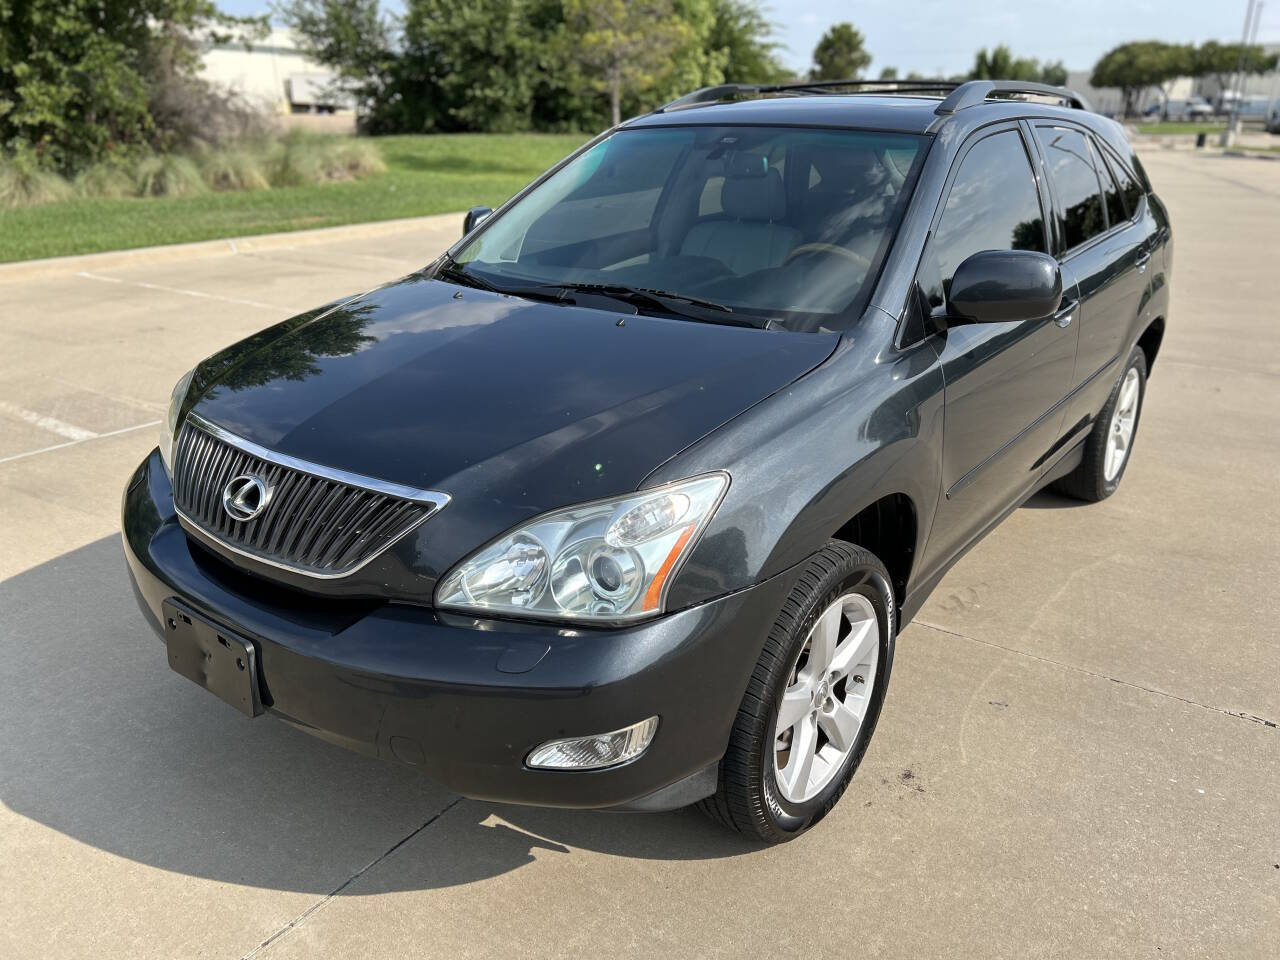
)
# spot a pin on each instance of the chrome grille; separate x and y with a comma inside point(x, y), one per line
point(317, 521)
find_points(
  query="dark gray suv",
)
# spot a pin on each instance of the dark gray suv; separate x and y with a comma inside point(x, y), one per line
point(623, 500)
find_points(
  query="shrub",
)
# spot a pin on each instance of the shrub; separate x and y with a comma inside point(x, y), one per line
point(104, 180)
point(293, 161)
point(296, 159)
point(359, 158)
point(167, 175)
point(300, 159)
point(24, 184)
point(234, 169)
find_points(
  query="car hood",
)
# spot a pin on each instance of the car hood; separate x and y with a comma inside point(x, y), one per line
point(494, 398)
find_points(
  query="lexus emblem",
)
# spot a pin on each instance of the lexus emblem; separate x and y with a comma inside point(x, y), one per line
point(245, 497)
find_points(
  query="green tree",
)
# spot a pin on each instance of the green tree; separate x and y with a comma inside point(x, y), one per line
point(79, 79)
point(351, 37)
point(1221, 62)
point(889, 73)
point(1054, 72)
point(1135, 67)
point(1001, 64)
point(840, 54)
point(628, 45)
point(741, 30)
point(479, 60)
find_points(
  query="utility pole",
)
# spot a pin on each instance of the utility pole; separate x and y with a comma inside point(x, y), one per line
point(1233, 124)
point(1253, 42)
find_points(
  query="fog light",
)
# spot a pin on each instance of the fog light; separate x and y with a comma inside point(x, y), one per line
point(592, 753)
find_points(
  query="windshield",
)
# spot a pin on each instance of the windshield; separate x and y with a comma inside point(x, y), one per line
point(783, 225)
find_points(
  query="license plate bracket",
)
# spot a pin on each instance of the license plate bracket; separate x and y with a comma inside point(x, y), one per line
point(212, 656)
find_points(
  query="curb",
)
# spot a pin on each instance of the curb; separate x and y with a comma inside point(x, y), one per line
point(1252, 155)
point(228, 247)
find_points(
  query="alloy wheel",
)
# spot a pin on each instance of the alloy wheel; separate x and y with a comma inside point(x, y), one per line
point(825, 701)
point(1123, 420)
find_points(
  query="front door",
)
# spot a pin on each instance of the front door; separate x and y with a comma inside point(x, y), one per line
point(1005, 382)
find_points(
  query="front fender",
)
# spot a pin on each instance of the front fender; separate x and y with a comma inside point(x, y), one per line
point(804, 462)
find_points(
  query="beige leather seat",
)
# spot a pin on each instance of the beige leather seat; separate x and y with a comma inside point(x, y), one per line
point(751, 238)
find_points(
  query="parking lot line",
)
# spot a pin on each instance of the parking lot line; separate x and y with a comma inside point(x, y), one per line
point(52, 424)
point(72, 443)
point(189, 293)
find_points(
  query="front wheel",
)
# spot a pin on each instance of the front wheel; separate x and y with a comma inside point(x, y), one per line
point(813, 699)
point(1107, 448)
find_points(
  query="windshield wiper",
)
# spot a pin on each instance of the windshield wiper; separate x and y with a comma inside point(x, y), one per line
point(620, 290)
point(453, 272)
point(677, 303)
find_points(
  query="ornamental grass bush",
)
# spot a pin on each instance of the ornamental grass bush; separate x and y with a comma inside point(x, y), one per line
point(24, 184)
point(104, 180)
point(237, 168)
point(293, 160)
point(167, 175)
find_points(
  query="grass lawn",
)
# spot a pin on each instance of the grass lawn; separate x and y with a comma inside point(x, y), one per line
point(425, 174)
point(1173, 128)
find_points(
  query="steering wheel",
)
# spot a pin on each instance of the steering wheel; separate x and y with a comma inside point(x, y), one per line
point(807, 249)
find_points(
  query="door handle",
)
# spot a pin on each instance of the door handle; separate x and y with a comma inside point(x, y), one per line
point(1141, 262)
point(1065, 314)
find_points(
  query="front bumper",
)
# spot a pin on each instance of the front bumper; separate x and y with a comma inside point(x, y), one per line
point(467, 699)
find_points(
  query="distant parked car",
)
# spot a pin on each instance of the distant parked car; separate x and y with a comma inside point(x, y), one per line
point(1196, 108)
point(622, 501)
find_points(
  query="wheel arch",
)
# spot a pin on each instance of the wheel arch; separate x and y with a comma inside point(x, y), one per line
point(889, 528)
point(1149, 341)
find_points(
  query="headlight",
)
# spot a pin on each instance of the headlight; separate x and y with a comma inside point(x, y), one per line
point(610, 560)
point(170, 428)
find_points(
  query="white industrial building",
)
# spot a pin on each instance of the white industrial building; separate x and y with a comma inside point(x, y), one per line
point(274, 75)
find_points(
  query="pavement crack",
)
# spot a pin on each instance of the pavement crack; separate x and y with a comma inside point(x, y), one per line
point(296, 921)
point(1238, 714)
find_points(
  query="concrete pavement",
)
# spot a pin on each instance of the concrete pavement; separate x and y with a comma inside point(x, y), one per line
point(1078, 756)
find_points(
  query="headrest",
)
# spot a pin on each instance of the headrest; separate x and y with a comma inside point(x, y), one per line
point(754, 198)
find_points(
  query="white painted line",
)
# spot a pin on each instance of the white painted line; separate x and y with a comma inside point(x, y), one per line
point(128, 401)
point(187, 293)
point(399, 262)
point(72, 443)
point(52, 424)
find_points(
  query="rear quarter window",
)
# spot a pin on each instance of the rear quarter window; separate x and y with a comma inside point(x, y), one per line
point(1081, 214)
point(1130, 190)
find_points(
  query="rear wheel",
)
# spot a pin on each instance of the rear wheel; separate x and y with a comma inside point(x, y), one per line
point(813, 699)
point(1107, 449)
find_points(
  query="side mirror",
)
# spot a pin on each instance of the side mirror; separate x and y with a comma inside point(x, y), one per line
point(998, 285)
point(475, 216)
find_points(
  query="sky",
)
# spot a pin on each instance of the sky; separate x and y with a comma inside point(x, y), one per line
point(939, 38)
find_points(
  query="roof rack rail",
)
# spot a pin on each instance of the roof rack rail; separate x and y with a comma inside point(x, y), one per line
point(974, 92)
point(726, 90)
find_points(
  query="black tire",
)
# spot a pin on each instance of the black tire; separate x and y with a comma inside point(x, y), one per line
point(747, 799)
point(1089, 480)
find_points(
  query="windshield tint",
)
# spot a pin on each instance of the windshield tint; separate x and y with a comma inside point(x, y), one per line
point(785, 224)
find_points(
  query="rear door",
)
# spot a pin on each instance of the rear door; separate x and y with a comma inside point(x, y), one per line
point(1005, 382)
point(1104, 244)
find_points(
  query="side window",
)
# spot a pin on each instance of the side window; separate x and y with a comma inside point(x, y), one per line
point(1110, 189)
point(1129, 188)
point(993, 205)
point(1075, 181)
